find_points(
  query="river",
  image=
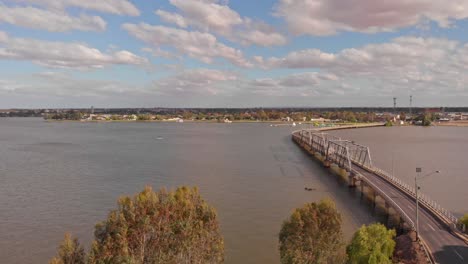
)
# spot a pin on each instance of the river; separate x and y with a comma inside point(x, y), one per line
point(65, 176)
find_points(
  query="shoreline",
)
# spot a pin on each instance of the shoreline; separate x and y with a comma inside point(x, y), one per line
point(442, 124)
point(197, 121)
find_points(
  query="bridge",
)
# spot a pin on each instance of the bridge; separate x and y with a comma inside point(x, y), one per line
point(440, 237)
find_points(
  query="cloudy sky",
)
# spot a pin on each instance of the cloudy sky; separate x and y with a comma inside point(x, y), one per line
point(237, 53)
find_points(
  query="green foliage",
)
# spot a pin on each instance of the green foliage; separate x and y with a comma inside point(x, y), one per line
point(164, 227)
point(74, 115)
point(158, 227)
point(464, 220)
point(373, 244)
point(144, 117)
point(313, 234)
point(426, 121)
point(388, 123)
point(116, 117)
point(69, 252)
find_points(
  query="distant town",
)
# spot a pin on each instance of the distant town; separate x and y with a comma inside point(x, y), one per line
point(399, 116)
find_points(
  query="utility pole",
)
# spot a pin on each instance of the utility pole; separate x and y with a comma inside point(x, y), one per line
point(411, 105)
point(416, 188)
point(394, 106)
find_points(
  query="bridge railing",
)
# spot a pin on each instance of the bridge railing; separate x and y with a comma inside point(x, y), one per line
point(423, 198)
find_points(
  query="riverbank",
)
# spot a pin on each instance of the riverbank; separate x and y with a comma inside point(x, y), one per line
point(275, 122)
point(463, 123)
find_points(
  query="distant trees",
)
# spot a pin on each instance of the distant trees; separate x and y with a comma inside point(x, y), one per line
point(403, 116)
point(373, 244)
point(73, 115)
point(154, 227)
point(143, 117)
point(313, 234)
point(116, 117)
point(426, 121)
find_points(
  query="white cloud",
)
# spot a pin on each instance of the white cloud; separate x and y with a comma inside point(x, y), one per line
point(298, 84)
point(405, 64)
point(158, 52)
point(327, 17)
point(117, 7)
point(62, 54)
point(202, 46)
point(208, 15)
point(172, 18)
point(36, 18)
point(198, 81)
point(60, 84)
point(217, 17)
point(311, 58)
point(3, 37)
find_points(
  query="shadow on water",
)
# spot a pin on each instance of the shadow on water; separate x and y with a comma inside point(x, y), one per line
point(452, 255)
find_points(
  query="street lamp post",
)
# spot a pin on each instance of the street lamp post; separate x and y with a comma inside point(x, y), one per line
point(416, 189)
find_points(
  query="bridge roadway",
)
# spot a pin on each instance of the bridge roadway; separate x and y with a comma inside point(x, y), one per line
point(445, 247)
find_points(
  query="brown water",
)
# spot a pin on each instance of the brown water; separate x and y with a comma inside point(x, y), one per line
point(58, 177)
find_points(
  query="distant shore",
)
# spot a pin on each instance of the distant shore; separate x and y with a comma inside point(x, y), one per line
point(463, 123)
point(274, 122)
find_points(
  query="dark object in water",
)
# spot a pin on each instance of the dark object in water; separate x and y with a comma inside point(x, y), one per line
point(309, 189)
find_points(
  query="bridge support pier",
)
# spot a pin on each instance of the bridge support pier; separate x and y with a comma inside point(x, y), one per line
point(352, 180)
point(387, 212)
point(375, 201)
point(362, 189)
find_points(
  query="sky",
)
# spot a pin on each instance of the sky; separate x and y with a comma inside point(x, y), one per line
point(236, 53)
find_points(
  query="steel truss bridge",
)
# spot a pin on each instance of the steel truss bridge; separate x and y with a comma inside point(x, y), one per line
point(441, 238)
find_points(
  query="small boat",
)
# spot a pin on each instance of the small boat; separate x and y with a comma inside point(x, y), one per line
point(294, 124)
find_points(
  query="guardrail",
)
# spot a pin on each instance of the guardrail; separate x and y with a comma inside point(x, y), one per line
point(423, 198)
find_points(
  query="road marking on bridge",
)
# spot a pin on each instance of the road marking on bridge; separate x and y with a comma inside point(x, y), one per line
point(433, 229)
point(458, 254)
point(409, 207)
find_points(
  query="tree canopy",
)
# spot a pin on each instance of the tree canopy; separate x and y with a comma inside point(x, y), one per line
point(312, 234)
point(373, 244)
point(69, 252)
point(159, 227)
point(464, 220)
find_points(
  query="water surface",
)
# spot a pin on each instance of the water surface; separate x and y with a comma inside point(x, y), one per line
point(57, 177)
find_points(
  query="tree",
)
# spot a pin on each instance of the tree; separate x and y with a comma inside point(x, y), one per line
point(464, 220)
point(143, 117)
point(312, 234)
point(159, 227)
point(403, 116)
point(69, 252)
point(372, 244)
point(426, 120)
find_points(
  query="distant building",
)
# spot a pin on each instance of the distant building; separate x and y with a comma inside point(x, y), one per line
point(320, 120)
